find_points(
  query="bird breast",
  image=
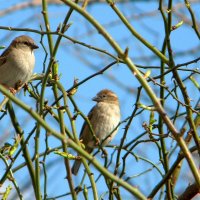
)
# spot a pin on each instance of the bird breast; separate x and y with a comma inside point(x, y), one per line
point(105, 119)
point(25, 63)
point(18, 67)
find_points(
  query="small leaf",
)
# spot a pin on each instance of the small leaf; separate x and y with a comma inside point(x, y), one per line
point(66, 27)
point(146, 107)
point(168, 10)
point(196, 84)
point(65, 155)
point(187, 4)
point(2, 47)
point(126, 52)
point(15, 146)
point(152, 120)
point(197, 121)
point(147, 74)
point(85, 192)
point(6, 193)
point(177, 25)
point(74, 90)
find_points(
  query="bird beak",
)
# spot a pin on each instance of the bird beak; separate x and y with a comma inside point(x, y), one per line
point(34, 46)
point(95, 98)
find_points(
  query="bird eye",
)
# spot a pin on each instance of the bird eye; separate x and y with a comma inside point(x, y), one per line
point(26, 43)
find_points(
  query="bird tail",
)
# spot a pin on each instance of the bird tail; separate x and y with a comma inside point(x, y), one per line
point(76, 167)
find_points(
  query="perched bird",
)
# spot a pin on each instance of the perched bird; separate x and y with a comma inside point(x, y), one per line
point(17, 63)
point(104, 118)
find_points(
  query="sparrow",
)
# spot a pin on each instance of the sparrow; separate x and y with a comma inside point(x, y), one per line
point(104, 118)
point(17, 63)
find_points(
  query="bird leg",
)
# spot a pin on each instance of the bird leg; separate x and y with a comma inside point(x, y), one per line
point(104, 153)
point(97, 141)
point(25, 86)
point(11, 89)
point(18, 85)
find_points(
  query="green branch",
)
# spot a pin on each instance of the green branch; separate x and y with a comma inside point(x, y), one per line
point(124, 55)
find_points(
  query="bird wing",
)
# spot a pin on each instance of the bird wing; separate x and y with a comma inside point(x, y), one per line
point(85, 125)
point(2, 60)
point(3, 57)
point(86, 135)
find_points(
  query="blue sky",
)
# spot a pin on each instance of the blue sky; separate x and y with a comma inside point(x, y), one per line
point(76, 61)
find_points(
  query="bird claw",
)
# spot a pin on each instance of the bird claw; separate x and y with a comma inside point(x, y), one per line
point(13, 90)
point(18, 85)
point(97, 142)
point(16, 88)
